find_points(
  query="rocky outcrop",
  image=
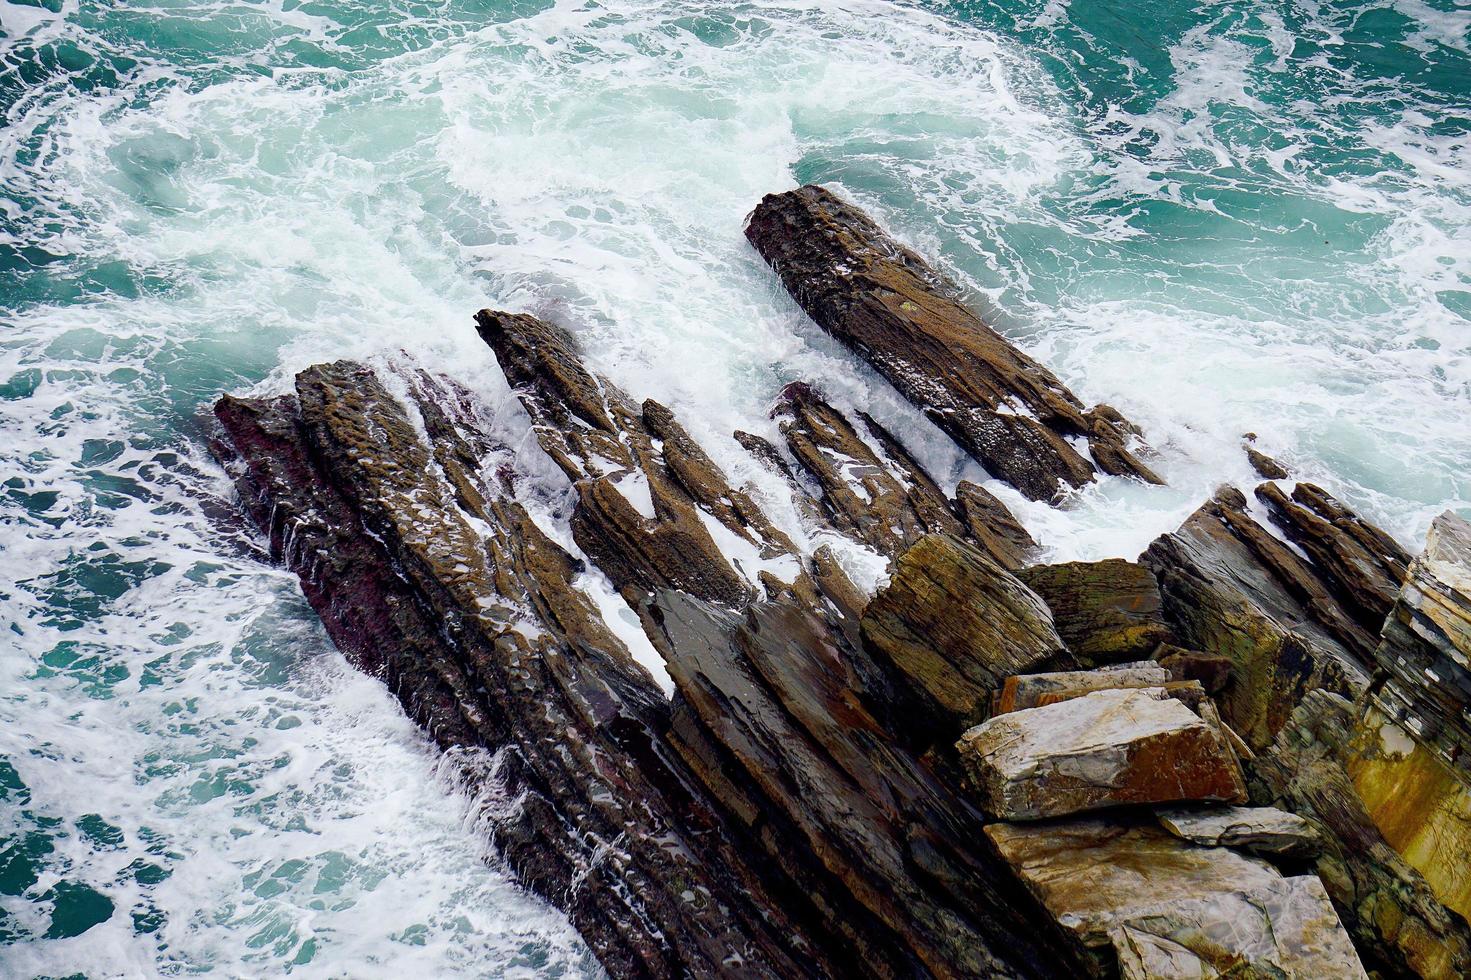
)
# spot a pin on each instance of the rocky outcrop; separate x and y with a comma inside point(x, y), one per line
point(951, 626)
point(1105, 611)
point(652, 509)
point(430, 574)
point(1427, 636)
point(1361, 565)
point(1105, 748)
point(1150, 905)
point(788, 797)
point(1397, 922)
point(872, 491)
point(1231, 589)
point(992, 527)
point(886, 304)
point(779, 713)
point(767, 820)
point(1408, 757)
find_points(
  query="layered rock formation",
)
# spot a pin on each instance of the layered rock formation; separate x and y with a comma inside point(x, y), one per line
point(1232, 589)
point(991, 767)
point(887, 304)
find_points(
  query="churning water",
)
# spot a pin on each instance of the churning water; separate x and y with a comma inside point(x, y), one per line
point(1219, 217)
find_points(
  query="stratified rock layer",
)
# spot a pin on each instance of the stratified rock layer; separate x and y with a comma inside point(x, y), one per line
point(1427, 636)
point(1231, 589)
point(1397, 922)
point(886, 304)
point(423, 570)
point(952, 625)
point(769, 820)
point(1105, 611)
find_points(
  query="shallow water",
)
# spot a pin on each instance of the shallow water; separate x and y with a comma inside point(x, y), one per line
point(1247, 216)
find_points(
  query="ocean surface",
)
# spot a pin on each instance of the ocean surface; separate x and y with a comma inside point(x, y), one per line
point(1250, 215)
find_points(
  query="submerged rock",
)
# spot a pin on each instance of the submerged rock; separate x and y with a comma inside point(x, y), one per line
point(1266, 467)
point(1259, 829)
point(1149, 905)
point(1106, 748)
point(886, 304)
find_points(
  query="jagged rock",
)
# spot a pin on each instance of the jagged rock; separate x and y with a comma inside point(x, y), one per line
point(417, 560)
point(313, 529)
point(992, 527)
point(1266, 467)
point(1362, 564)
point(653, 510)
point(1230, 589)
point(1213, 672)
point(1105, 611)
point(1105, 748)
point(1150, 905)
point(952, 625)
point(1407, 759)
point(885, 303)
point(774, 715)
point(1035, 690)
point(1396, 920)
point(1425, 646)
point(875, 492)
point(1260, 829)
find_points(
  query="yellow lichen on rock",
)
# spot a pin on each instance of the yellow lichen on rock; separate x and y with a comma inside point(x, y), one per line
point(1419, 805)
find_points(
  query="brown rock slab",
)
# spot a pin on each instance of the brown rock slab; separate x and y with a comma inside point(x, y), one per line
point(1103, 749)
point(1259, 829)
point(1034, 690)
point(1105, 611)
point(952, 625)
point(992, 527)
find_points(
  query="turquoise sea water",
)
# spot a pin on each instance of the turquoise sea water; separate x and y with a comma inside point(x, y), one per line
point(1219, 217)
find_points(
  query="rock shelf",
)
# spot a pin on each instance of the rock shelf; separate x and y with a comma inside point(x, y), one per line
point(1242, 752)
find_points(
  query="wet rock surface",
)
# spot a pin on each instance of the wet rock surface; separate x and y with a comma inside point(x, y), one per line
point(952, 625)
point(844, 784)
point(1231, 589)
point(891, 308)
